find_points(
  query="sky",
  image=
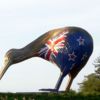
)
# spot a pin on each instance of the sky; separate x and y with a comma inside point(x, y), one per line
point(23, 21)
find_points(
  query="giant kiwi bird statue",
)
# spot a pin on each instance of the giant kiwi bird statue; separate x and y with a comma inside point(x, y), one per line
point(68, 47)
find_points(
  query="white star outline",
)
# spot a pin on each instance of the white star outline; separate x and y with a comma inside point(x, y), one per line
point(72, 56)
point(81, 41)
point(84, 56)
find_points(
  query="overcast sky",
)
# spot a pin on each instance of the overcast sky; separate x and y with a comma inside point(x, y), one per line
point(22, 21)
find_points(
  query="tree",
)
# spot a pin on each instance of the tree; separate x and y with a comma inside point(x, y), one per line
point(91, 83)
point(97, 65)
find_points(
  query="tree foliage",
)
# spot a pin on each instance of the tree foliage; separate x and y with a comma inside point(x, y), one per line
point(97, 65)
point(72, 95)
point(91, 83)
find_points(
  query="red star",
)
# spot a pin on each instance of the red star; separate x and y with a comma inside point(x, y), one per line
point(84, 56)
point(80, 40)
point(72, 56)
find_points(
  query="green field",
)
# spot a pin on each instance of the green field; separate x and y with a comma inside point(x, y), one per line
point(48, 96)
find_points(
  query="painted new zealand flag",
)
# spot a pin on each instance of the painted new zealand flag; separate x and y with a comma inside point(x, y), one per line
point(67, 50)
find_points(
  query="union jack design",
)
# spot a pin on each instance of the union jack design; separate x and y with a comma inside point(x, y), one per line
point(53, 46)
